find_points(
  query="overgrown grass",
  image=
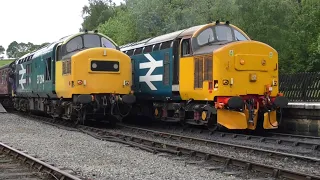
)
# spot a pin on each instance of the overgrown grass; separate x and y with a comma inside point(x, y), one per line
point(5, 62)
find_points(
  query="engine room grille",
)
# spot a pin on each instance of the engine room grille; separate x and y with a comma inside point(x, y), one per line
point(208, 68)
point(198, 72)
point(166, 69)
point(202, 70)
point(66, 67)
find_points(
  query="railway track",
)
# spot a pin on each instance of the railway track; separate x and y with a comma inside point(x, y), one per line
point(213, 142)
point(296, 136)
point(15, 164)
point(155, 147)
point(308, 142)
point(173, 149)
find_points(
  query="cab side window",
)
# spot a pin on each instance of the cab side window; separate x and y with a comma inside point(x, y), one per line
point(59, 53)
point(185, 47)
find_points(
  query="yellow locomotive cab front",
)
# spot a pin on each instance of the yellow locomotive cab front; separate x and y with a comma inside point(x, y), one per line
point(94, 71)
point(246, 69)
point(238, 74)
point(93, 78)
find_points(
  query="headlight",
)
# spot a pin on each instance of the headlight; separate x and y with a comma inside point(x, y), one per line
point(115, 66)
point(94, 65)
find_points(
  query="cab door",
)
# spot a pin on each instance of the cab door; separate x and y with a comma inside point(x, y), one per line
point(186, 68)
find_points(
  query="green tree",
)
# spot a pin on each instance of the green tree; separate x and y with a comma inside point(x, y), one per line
point(270, 21)
point(96, 13)
point(121, 28)
point(2, 50)
point(307, 36)
point(16, 50)
point(292, 27)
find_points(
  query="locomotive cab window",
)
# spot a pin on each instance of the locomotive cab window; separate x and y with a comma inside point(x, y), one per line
point(239, 36)
point(82, 42)
point(218, 33)
point(205, 37)
point(185, 47)
point(91, 40)
point(224, 33)
point(106, 43)
point(74, 44)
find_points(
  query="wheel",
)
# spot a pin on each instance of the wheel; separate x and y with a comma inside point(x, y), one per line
point(213, 123)
point(81, 118)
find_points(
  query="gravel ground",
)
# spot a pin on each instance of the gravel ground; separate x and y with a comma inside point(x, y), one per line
point(239, 140)
point(288, 163)
point(93, 158)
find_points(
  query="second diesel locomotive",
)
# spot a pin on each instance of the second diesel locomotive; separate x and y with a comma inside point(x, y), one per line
point(211, 74)
point(78, 77)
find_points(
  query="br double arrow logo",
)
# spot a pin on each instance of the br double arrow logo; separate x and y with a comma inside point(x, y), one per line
point(22, 80)
point(152, 65)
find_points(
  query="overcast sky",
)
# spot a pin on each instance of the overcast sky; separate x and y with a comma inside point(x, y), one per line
point(39, 21)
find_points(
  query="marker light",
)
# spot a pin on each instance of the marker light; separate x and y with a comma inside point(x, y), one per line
point(80, 82)
point(94, 65)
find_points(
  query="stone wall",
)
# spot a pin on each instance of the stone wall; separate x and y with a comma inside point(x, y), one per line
point(301, 121)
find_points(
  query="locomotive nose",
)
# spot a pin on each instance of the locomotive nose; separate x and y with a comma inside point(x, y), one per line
point(102, 70)
point(249, 64)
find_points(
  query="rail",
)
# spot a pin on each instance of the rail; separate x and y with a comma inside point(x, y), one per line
point(154, 146)
point(36, 163)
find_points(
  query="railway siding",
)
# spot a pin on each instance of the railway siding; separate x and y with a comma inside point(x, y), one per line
point(92, 158)
point(207, 155)
point(255, 155)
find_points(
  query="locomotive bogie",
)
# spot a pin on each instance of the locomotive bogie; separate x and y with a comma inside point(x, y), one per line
point(197, 113)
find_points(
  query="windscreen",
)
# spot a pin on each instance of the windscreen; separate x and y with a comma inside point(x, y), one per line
point(219, 33)
point(88, 41)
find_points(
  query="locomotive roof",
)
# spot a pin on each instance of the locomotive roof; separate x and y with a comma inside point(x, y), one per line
point(191, 31)
point(64, 40)
point(162, 38)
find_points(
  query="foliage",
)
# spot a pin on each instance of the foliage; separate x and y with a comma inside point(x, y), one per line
point(2, 50)
point(96, 13)
point(292, 27)
point(120, 28)
point(17, 50)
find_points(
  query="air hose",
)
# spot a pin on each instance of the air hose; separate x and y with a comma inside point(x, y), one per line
point(270, 119)
point(121, 113)
point(112, 107)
